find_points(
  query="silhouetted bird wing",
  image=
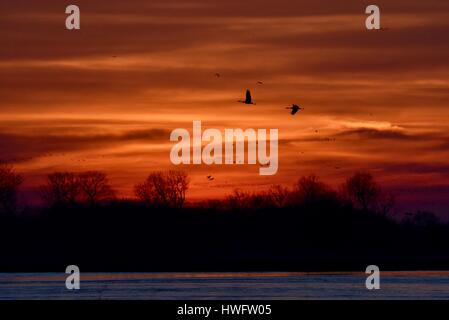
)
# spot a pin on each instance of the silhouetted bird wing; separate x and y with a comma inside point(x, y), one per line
point(294, 109)
point(248, 99)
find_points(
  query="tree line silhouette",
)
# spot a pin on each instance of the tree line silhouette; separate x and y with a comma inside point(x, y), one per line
point(9, 184)
point(168, 189)
point(360, 191)
point(308, 226)
point(92, 188)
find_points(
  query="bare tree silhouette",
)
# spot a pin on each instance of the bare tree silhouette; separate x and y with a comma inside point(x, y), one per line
point(279, 195)
point(422, 219)
point(65, 188)
point(386, 203)
point(307, 191)
point(362, 191)
point(310, 190)
point(9, 185)
point(61, 188)
point(238, 199)
point(95, 187)
point(166, 189)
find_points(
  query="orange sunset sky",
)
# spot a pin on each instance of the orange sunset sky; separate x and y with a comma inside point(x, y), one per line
point(106, 97)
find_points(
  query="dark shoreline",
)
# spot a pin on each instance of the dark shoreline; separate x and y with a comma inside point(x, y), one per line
point(128, 237)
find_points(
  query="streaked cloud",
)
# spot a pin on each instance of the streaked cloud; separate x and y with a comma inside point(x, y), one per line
point(107, 96)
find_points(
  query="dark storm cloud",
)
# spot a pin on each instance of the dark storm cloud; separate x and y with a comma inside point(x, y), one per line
point(387, 134)
point(23, 146)
point(416, 168)
point(34, 41)
point(369, 133)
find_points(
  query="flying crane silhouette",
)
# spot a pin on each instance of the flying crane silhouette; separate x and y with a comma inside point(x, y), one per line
point(248, 99)
point(294, 108)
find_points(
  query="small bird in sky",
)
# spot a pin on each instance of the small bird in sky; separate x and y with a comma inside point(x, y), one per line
point(210, 178)
point(294, 109)
point(259, 82)
point(248, 99)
